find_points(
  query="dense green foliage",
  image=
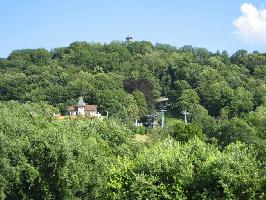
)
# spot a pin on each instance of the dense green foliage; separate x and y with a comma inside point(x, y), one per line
point(43, 158)
point(220, 155)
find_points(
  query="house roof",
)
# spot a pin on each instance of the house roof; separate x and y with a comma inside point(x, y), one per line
point(71, 108)
point(90, 107)
point(87, 108)
point(81, 103)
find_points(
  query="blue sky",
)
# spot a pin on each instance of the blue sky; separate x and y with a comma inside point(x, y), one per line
point(201, 23)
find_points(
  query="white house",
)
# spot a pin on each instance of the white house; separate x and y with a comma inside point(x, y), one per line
point(82, 109)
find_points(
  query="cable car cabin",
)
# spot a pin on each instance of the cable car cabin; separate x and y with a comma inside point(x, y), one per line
point(150, 120)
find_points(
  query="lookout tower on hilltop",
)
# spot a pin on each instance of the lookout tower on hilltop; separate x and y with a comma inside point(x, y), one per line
point(129, 39)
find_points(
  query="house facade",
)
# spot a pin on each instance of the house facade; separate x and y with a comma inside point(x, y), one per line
point(83, 109)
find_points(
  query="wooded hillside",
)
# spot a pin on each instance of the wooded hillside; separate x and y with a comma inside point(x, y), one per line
point(221, 154)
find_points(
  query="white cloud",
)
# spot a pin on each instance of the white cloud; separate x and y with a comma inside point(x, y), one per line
point(251, 25)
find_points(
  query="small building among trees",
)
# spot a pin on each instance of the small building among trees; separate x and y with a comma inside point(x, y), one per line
point(83, 109)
